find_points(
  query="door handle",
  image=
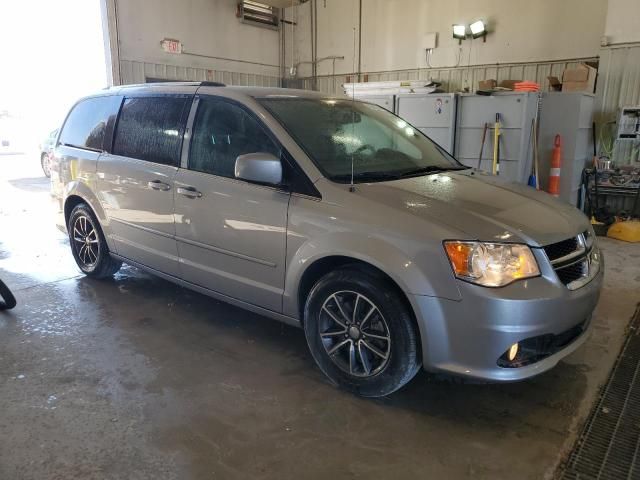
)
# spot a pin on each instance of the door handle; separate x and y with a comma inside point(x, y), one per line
point(190, 192)
point(159, 185)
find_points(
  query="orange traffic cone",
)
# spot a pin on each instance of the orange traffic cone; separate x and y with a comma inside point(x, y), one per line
point(554, 172)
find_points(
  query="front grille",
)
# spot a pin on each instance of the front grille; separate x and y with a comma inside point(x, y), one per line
point(570, 258)
point(561, 249)
point(573, 272)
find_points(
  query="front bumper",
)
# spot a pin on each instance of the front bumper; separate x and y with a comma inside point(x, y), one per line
point(467, 337)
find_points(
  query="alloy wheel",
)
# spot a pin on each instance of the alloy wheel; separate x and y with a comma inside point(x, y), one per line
point(355, 334)
point(86, 241)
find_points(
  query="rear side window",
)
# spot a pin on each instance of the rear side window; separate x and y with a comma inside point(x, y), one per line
point(86, 124)
point(151, 128)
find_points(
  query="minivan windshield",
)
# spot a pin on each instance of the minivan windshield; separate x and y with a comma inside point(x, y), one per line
point(335, 133)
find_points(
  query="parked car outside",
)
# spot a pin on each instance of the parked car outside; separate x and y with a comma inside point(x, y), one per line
point(333, 215)
point(46, 148)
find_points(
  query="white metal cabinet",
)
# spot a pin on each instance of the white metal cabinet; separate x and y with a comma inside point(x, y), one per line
point(385, 101)
point(517, 111)
point(433, 114)
point(571, 116)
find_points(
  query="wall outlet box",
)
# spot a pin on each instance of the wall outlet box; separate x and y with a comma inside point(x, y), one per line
point(430, 40)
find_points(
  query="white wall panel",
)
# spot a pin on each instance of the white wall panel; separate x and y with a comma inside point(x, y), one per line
point(623, 21)
point(213, 39)
point(393, 31)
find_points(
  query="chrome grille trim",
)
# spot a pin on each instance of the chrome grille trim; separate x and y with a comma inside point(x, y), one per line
point(581, 250)
point(592, 268)
point(586, 256)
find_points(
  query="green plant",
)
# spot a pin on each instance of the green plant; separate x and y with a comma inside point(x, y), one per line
point(606, 138)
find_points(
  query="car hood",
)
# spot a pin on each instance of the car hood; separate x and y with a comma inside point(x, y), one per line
point(481, 206)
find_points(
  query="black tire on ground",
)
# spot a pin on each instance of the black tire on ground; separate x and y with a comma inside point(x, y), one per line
point(359, 365)
point(88, 244)
point(44, 163)
point(7, 300)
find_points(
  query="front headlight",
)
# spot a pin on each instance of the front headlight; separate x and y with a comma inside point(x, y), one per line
point(491, 264)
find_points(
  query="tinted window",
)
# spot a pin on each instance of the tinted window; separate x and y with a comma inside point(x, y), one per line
point(223, 131)
point(150, 128)
point(86, 124)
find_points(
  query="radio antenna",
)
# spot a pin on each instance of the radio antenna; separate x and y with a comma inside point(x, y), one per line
point(352, 187)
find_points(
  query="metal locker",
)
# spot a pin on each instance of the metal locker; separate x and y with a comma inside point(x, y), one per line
point(385, 101)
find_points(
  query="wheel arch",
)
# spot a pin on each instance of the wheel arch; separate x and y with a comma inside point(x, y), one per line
point(320, 267)
point(80, 193)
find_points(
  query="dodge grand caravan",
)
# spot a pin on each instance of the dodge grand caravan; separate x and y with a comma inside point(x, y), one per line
point(333, 215)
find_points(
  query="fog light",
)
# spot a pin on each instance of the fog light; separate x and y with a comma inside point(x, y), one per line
point(513, 352)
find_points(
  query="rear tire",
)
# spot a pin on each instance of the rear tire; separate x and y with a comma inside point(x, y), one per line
point(45, 163)
point(361, 333)
point(88, 244)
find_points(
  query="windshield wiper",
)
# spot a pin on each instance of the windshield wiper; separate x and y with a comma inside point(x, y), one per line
point(428, 170)
point(365, 176)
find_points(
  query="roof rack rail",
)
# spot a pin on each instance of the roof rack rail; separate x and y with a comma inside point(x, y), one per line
point(212, 84)
point(171, 82)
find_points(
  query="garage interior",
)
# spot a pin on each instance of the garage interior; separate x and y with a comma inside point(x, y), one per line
point(135, 377)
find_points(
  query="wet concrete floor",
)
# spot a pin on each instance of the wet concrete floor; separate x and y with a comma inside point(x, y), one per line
point(135, 378)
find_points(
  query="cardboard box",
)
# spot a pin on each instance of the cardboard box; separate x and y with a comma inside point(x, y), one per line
point(579, 79)
point(489, 84)
point(555, 85)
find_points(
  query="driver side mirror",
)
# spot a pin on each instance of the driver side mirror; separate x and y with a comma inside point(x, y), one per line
point(260, 168)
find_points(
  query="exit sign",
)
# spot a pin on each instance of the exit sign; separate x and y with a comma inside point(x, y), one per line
point(171, 45)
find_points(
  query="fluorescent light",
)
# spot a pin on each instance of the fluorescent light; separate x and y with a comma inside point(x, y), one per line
point(478, 29)
point(460, 31)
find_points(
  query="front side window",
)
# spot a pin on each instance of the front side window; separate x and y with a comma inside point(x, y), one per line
point(86, 124)
point(222, 131)
point(151, 128)
point(338, 133)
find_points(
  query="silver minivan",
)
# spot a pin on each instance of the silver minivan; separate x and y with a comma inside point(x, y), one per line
point(333, 215)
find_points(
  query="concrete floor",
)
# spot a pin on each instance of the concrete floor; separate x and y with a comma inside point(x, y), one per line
point(136, 378)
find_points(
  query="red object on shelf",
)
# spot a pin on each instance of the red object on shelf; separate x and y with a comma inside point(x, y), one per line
point(527, 87)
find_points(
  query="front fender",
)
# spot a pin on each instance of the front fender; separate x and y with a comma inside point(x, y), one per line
point(427, 273)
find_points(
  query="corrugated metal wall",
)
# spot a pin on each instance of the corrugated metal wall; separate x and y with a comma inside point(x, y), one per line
point(619, 79)
point(453, 79)
point(138, 72)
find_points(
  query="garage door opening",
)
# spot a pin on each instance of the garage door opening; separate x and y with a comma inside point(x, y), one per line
point(53, 53)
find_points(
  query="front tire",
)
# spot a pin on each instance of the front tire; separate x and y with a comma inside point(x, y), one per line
point(88, 244)
point(361, 333)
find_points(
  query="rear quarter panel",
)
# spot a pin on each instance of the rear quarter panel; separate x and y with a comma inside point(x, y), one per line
point(76, 175)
